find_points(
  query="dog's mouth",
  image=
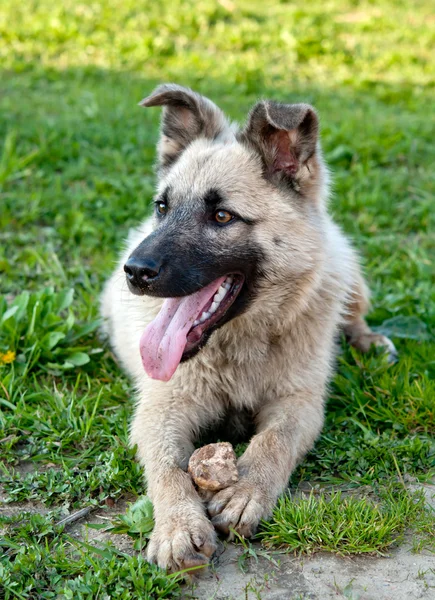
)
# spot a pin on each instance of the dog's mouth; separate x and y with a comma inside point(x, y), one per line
point(184, 324)
point(214, 310)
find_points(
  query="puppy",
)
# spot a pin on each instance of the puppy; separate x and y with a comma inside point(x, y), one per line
point(225, 310)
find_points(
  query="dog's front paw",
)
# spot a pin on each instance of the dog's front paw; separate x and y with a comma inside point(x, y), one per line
point(240, 507)
point(182, 539)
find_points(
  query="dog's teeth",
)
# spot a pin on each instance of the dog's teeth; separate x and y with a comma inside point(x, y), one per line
point(220, 294)
point(217, 299)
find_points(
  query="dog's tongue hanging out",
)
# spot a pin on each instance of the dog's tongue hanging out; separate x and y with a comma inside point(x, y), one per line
point(164, 340)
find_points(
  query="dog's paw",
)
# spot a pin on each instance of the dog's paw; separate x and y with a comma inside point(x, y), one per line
point(366, 341)
point(181, 540)
point(240, 507)
point(390, 349)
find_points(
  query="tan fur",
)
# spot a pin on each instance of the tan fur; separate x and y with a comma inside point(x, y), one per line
point(275, 359)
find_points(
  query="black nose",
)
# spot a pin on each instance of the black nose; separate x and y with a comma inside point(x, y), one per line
point(139, 271)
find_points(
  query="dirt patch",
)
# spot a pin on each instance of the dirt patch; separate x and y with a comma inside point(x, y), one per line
point(402, 576)
point(105, 515)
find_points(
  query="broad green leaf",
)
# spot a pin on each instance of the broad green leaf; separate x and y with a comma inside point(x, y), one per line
point(408, 327)
point(9, 313)
point(84, 330)
point(56, 366)
point(65, 299)
point(78, 359)
point(140, 516)
point(50, 340)
point(22, 302)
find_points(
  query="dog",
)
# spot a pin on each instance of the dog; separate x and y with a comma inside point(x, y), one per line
point(225, 309)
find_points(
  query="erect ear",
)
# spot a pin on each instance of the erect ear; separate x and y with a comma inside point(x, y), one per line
point(285, 135)
point(186, 116)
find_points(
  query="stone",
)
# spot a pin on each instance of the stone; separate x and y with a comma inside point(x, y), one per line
point(214, 467)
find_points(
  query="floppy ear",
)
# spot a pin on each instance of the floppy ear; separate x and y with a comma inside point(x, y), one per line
point(186, 116)
point(286, 137)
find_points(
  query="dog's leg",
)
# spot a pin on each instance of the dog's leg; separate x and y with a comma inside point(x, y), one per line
point(287, 429)
point(183, 536)
point(357, 332)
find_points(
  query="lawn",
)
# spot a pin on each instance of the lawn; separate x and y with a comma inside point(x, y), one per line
point(76, 172)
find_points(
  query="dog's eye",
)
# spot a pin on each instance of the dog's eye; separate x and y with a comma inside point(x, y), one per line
point(223, 217)
point(162, 208)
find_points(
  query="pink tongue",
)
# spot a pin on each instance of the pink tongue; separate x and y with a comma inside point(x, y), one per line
point(163, 342)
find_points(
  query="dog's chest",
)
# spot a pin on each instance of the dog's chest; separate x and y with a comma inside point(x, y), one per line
point(235, 382)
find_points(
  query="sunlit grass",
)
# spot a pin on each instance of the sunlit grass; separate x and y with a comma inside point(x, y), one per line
point(76, 172)
point(344, 524)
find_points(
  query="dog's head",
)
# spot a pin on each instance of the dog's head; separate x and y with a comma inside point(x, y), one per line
point(237, 217)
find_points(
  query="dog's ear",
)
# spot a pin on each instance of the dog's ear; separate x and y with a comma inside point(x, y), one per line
point(186, 116)
point(285, 135)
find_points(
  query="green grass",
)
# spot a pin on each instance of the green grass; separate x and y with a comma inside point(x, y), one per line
point(137, 522)
point(42, 562)
point(76, 157)
point(347, 525)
